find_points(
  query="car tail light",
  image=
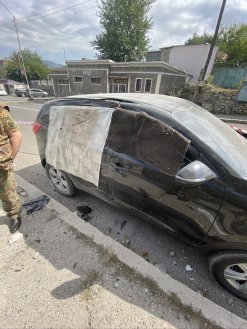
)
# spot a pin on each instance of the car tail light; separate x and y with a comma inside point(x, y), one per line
point(36, 127)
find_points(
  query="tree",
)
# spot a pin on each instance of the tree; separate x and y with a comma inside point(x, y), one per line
point(125, 24)
point(35, 68)
point(232, 40)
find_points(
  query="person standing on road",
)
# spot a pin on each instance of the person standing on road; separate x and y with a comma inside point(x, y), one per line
point(10, 140)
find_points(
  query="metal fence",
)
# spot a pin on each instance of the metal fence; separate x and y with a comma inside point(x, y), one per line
point(229, 77)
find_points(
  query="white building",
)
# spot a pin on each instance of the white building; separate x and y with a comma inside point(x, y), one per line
point(190, 58)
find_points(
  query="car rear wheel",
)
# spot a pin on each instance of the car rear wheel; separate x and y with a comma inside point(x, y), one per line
point(230, 270)
point(60, 181)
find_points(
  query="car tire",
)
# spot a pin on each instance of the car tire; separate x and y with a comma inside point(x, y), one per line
point(60, 180)
point(230, 269)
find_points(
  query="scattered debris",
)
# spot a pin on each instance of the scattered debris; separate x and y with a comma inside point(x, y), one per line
point(116, 285)
point(126, 243)
point(123, 224)
point(75, 264)
point(174, 262)
point(35, 255)
point(21, 191)
point(14, 238)
point(188, 268)
point(83, 211)
point(172, 253)
point(37, 240)
point(36, 204)
point(146, 256)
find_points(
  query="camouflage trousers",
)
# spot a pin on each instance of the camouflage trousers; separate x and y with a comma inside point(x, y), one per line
point(8, 194)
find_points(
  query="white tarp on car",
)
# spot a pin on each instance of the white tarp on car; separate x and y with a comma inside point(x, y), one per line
point(76, 139)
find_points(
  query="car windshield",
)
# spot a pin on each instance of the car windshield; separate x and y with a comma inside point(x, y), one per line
point(222, 139)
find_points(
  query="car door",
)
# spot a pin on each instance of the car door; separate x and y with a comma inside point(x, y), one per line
point(144, 158)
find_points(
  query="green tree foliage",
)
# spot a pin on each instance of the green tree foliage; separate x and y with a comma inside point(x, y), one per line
point(35, 68)
point(232, 40)
point(125, 24)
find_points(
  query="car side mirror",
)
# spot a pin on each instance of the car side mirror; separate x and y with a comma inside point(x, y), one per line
point(195, 173)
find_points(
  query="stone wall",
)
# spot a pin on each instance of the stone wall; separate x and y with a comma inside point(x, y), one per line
point(215, 100)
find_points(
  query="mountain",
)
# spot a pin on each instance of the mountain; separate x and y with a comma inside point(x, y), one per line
point(51, 63)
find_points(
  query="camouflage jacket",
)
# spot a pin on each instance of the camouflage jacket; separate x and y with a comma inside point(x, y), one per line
point(7, 126)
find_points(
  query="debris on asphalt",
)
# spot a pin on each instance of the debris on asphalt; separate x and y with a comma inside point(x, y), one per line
point(188, 268)
point(172, 253)
point(14, 238)
point(83, 212)
point(36, 204)
point(21, 191)
point(35, 255)
point(116, 285)
point(123, 224)
point(146, 256)
point(126, 243)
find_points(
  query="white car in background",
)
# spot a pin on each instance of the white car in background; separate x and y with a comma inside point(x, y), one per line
point(3, 92)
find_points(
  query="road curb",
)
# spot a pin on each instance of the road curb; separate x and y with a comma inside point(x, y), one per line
point(189, 298)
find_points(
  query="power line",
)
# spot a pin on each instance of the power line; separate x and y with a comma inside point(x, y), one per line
point(19, 43)
point(25, 25)
point(56, 12)
point(42, 12)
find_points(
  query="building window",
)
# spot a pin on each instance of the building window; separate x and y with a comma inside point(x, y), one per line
point(96, 81)
point(138, 85)
point(77, 79)
point(63, 82)
point(148, 85)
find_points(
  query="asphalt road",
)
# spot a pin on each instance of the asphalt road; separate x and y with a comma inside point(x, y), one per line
point(162, 250)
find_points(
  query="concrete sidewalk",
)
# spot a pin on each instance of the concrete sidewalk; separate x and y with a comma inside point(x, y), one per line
point(64, 273)
point(232, 118)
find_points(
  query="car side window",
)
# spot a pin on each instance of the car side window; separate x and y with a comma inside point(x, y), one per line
point(147, 139)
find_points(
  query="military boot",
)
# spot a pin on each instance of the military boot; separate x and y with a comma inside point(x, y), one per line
point(15, 224)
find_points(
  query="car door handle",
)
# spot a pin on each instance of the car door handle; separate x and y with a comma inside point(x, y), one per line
point(118, 167)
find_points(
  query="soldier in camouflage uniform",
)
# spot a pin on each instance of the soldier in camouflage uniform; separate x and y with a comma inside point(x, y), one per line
point(10, 139)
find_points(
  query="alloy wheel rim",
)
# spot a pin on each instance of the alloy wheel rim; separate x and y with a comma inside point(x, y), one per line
point(236, 276)
point(58, 179)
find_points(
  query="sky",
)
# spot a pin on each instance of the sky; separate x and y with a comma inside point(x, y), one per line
point(63, 29)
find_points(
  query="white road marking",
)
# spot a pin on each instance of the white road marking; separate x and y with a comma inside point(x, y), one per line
point(24, 122)
point(24, 108)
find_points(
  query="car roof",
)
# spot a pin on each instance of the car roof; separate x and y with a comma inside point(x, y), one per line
point(168, 103)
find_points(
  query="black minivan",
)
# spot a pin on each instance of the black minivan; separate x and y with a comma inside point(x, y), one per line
point(164, 159)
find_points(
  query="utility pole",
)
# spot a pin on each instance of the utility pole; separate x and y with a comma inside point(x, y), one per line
point(67, 71)
point(19, 44)
point(214, 40)
point(204, 70)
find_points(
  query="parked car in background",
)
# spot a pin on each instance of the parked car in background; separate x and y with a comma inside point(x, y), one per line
point(165, 159)
point(20, 92)
point(241, 131)
point(3, 92)
point(35, 93)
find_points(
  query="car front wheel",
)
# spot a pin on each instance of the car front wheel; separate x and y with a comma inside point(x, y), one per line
point(60, 181)
point(230, 270)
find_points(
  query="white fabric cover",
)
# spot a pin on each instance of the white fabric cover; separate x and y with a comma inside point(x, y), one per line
point(76, 139)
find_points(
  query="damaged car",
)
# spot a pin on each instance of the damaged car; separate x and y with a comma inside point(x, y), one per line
point(163, 158)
